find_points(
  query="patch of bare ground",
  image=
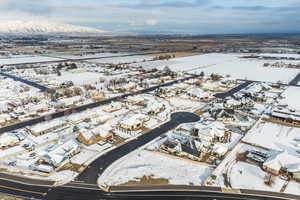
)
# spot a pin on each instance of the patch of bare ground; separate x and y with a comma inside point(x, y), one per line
point(147, 180)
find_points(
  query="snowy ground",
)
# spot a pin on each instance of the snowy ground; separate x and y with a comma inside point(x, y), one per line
point(120, 60)
point(275, 137)
point(291, 97)
point(246, 176)
point(27, 59)
point(145, 163)
point(88, 56)
point(279, 55)
point(77, 78)
point(227, 64)
point(293, 188)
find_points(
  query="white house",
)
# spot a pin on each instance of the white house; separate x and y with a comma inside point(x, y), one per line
point(60, 153)
point(8, 140)
point(133, 123)
point(198, 93)
point(211, 131)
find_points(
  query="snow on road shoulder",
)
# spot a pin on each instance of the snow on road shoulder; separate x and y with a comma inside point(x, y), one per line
point(146, 163)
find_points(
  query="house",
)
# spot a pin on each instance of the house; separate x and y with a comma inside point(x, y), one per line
point(67, 102)
point(5, 106)
point(211, 86)
point(228, 83)
point(44, 168)
point(46, 127)
point(4, 119)
point(219, 150)
point(81, 117)
point(8, 140)
point(189, 150)
point(114, 106)
point(92, 136)
point(241, 103)
point(286, 115)
point(135, 100)
point(102, 118)
point(222, 114)
point(198, 93)
point(133, 123)
point(211, 132)
point(169, 146)
point(283, 163)
point(59, 154)
point(154, 107)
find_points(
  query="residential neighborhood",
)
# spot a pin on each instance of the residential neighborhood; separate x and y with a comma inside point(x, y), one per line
point(94, 116)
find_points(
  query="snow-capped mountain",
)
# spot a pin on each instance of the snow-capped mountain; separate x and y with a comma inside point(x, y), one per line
point(44, 27)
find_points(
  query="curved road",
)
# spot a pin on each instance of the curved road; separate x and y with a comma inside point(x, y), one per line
point(90, 174)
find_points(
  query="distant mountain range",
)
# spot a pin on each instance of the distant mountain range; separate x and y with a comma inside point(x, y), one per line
point(46, 27)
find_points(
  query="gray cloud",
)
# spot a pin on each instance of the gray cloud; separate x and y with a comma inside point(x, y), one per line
point(34, 7)
point(251, 8)
point(164, 4)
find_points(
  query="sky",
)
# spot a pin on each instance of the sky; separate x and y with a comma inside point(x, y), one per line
point(163, 16)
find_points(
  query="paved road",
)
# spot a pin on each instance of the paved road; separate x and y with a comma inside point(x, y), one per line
point(33, 84)
point(233, 90)
point(295, 81)
point(25, 187)
point(90, 174)
point(84, 107)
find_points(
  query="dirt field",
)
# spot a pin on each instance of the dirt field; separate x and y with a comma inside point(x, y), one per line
point(147, 180)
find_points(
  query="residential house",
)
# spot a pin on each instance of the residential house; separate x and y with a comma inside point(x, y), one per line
point(8, 140)
point(198, 93)
point(114, 106)
point(133, 123)
point(154, 107)
point(47, 127)
point(97, 134)
point(60, 154)
point(211, 132)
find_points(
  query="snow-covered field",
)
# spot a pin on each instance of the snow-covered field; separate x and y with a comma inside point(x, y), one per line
point(291, 97)
point(293, 188)
point(120, 60)
point(80, 78)
point(246, 176)
point(27, 59)
point(275, 137)
point(278, 55)
point(147, 163)
point(228, 64)
point(88, 56)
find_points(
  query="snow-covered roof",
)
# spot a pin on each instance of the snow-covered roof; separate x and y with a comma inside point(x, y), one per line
point(8, 139)
point(46, 125)
point(283, 159)
point(134, 120)
point(197, 92)
point(60, 152)
point(220, 149)
point(212, 129)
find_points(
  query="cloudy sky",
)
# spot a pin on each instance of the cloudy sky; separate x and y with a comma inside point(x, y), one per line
point(163, 16)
